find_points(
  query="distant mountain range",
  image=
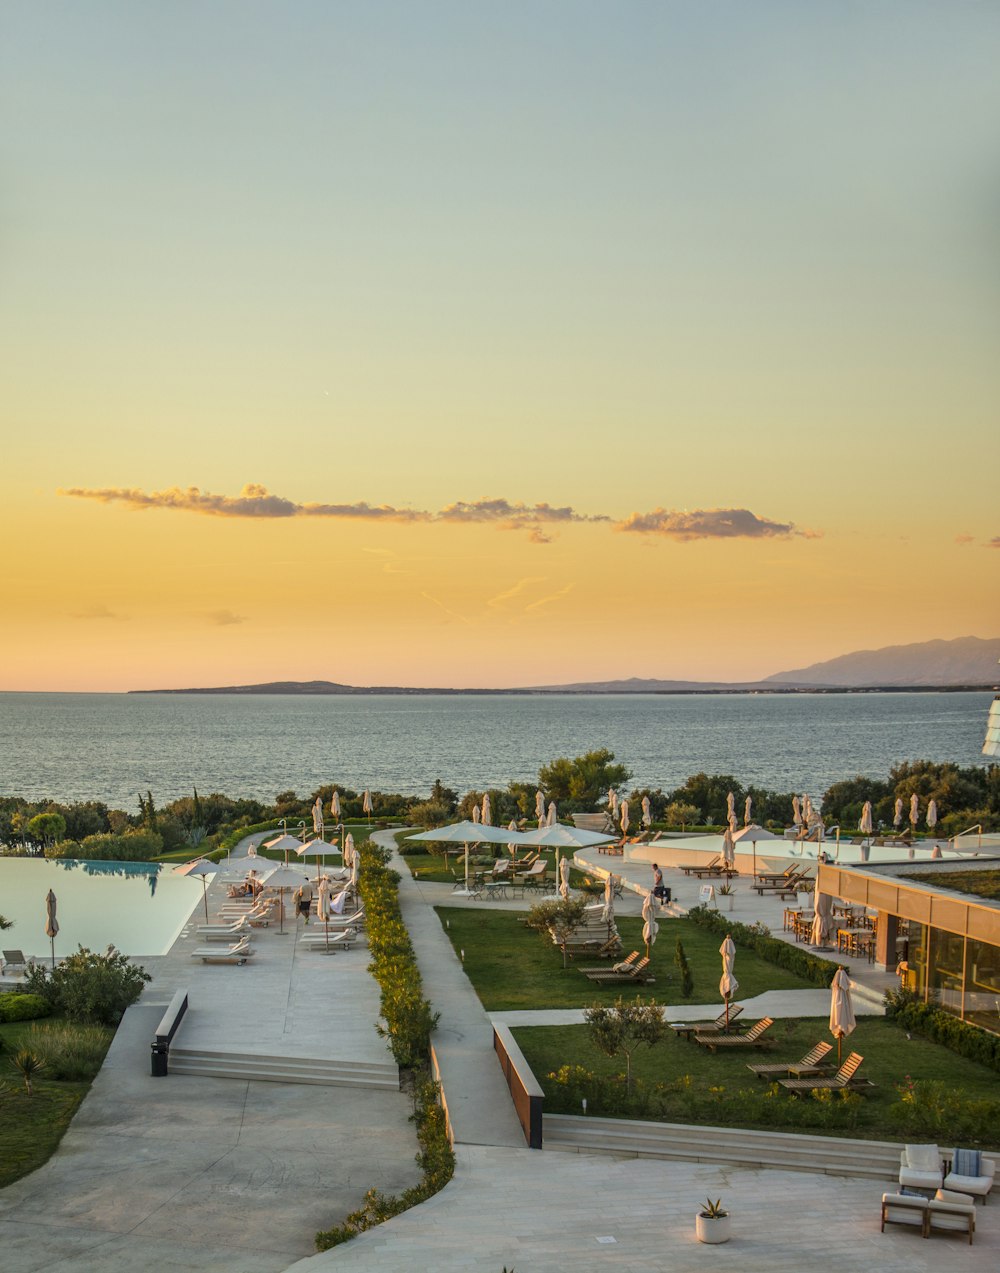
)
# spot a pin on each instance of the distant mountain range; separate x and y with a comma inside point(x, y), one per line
point(966, 662)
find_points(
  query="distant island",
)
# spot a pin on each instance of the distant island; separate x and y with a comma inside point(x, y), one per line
point(966, 663)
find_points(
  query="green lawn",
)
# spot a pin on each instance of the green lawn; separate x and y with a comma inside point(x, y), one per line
point(978, 883)
point(700, 1087)
point(512, 967)
point(32, 1127)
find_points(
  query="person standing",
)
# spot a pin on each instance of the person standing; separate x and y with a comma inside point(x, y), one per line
point(303, 899)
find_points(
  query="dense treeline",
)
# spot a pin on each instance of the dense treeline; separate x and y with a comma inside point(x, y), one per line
point(964, 797)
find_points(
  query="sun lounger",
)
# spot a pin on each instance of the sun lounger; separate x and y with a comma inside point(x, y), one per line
point(627, 961)
point(846, 1076)
point(753, 1038)
point(223, 932)
point(685, 1029)
point(237, 954)
point(13, 961)
point(357, 920)
point(696, 868)
point(342, 940)
point(638, 973)
point(810, 1064)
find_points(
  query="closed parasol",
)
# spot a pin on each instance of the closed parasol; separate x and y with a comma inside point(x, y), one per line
point(842, 1020)
point(51, 923)
point(649, 925)
point(728, 985)
point(486, 813)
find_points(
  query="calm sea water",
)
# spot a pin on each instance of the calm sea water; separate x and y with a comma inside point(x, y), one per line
point(112, 746)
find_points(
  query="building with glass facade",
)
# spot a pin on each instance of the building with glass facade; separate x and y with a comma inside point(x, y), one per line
point(941, 925)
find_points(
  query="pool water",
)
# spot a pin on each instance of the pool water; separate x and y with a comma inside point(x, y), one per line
point(139, 907)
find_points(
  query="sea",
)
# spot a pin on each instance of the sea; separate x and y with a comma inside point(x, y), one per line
point(111, 747)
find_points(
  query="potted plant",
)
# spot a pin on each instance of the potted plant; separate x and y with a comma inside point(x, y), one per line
point(726, 890)
point(711, 1224)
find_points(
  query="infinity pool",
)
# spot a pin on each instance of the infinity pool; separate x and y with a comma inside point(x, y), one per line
point(138, 907)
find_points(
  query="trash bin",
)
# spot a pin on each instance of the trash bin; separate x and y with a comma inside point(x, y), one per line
point(158, 1060)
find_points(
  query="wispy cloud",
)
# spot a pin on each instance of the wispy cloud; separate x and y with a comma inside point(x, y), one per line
point(253, 501)
point(993, 543)
point(515, 516)
point(98, 610)
point(452, 614)
point(544, 601)
point(710, 523)
point(497, 602)
point(962, 540)
point(225, 618)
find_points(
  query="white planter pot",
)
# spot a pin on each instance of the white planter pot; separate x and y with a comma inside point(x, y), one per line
point(711, 1230)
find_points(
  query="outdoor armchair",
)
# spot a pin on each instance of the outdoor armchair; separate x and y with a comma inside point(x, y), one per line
point(921, 1167)
point(970, 1172)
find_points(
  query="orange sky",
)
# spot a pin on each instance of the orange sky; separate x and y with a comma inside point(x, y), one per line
point(724, 295)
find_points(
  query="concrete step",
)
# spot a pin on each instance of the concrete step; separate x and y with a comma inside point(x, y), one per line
point(873, 1160)
point(383, 1075)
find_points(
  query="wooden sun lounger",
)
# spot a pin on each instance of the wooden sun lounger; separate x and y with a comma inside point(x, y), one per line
point(685, 1029)
point(629, 959)
point(846, 1076)
point(635, 973)
point(752, 1039)
point(810, 1064)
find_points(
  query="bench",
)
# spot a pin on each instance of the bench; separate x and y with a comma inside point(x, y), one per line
point(165, 1031)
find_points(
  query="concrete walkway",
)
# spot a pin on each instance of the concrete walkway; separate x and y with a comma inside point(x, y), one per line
point(194, 1173)
point(479, 1105)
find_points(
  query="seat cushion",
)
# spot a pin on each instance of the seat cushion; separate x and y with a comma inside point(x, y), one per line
point(923, 1158)
point(920, 1179)
point(980, 1185)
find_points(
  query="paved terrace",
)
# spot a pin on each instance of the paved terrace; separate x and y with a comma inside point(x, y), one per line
point(192, 1173)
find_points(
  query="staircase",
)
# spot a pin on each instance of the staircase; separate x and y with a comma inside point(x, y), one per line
point(625, 1138)
point(259, 1067)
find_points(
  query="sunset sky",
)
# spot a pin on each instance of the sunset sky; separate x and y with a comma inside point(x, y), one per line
point(494, 344)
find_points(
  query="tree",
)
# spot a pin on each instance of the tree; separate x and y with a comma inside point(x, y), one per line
point(47, 828)
point(625, 1027)
point(583, 782)
point(557, 918)
point(684, 971)
point(678, 814)
point(708, 793)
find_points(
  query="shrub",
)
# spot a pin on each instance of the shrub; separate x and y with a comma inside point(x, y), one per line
point(70, 1052)
point(933, 1022)
point(27, 1065)
point(409, 1021)
point(18, 1007)
point(132, 846)
point(90, 987)
point(757, 937)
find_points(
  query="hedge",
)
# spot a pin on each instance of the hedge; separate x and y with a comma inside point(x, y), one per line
point(757, 937)
point(21, 1007)
point(934, 1023)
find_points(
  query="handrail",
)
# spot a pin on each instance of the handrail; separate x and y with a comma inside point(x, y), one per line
point(978, 828)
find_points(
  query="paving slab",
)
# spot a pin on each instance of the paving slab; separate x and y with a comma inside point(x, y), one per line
point(537, 1212)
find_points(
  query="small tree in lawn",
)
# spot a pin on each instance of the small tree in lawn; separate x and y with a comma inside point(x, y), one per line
point(684, 971)
point(680, 814)
point(559, 918)
point(624, 1027)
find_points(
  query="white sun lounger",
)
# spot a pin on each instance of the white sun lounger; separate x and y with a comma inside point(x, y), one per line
point(341, 940)
point(237, 954)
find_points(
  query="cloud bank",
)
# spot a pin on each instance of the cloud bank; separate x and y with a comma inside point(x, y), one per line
point(256, 502)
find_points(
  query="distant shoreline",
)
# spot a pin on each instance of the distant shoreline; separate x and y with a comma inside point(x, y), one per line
point(380, 691)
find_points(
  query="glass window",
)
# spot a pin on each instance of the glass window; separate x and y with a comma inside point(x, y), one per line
point(982, 985)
